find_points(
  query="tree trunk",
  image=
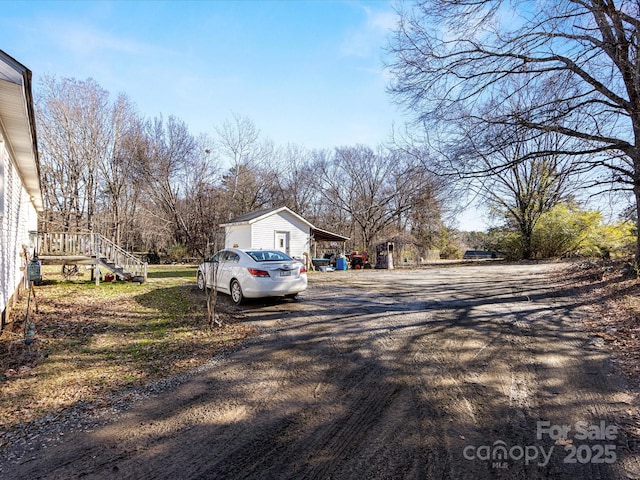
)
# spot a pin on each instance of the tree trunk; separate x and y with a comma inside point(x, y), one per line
point(527, 250)
point(636, 192)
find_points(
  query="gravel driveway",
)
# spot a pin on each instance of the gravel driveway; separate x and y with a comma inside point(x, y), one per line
point(460, 372)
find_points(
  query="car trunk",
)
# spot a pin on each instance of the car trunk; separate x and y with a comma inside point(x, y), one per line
point(282, 272)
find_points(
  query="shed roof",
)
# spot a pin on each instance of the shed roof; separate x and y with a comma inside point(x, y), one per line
point(252, 217)
point(18, 126)
point(326, 236)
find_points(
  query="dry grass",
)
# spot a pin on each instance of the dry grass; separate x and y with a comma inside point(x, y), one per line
point(92, 341)
point(611, 291)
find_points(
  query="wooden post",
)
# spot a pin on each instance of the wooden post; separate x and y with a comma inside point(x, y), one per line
point(95, 251)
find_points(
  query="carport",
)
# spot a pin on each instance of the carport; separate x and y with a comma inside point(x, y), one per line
point(323, 242)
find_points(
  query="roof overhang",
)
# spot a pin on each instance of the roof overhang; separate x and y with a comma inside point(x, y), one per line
point(325, 236)
point(17, 124)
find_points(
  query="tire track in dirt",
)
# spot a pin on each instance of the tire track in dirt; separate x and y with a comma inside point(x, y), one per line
point(373, 375)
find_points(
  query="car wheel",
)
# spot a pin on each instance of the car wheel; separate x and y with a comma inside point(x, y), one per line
point(236, 292)
point(200, 281)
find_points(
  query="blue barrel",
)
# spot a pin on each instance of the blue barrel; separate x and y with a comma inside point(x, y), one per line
point(341, 263)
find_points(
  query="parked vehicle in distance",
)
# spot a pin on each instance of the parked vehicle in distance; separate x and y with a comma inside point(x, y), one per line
point(479, 254)
point(252, 274)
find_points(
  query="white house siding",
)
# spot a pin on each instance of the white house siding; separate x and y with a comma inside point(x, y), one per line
point(17, 217)
point(263, 233)
point(238, 235)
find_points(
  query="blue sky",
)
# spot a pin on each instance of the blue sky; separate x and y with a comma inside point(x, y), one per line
point(305, 72)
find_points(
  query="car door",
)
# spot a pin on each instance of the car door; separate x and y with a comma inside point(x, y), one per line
point(210, 268)
point(227, 267)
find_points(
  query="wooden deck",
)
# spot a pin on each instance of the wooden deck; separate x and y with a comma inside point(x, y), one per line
point(65, 248)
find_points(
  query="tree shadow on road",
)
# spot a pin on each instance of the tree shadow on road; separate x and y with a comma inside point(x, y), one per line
point(445, 378)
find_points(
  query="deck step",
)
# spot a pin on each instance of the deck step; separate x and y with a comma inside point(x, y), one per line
point(76, 248)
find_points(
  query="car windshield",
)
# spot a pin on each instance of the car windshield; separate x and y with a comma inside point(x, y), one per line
point(268, 256)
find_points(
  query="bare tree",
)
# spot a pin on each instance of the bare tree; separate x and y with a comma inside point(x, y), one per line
point(118, 182)
point(203, 207)
point(376, 189)
point(86, 144)
point(453, 53)
point(238, 144)
point(293, 180)
point(524, 190)
point(520, 173)
point(74, 118)
point(163, 158)
point(246, 189)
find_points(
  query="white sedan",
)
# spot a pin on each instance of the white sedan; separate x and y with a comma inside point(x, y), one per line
point(252, 274)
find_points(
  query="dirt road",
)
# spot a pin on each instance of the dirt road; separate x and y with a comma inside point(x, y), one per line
point(461, 372)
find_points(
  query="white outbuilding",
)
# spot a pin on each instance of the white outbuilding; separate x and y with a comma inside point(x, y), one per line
point(276, 228)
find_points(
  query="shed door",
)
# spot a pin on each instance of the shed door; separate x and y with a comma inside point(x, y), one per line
point(282, 242)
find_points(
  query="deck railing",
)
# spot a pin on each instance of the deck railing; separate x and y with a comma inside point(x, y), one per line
point(91, 245)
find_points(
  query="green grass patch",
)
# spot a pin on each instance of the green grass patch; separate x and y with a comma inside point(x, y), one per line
point(172, 271)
